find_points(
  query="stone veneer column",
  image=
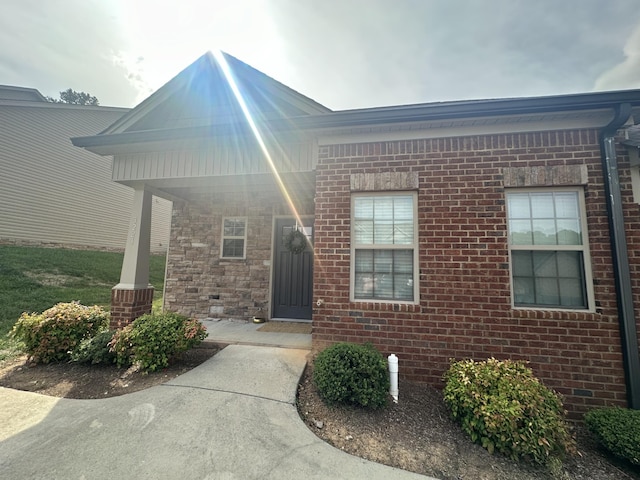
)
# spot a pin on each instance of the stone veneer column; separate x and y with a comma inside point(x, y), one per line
point(133, 296)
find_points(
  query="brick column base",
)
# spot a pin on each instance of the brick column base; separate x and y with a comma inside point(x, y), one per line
point(127, 305)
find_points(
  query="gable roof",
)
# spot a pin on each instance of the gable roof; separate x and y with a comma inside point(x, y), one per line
point(201, 95)
point(21, 94)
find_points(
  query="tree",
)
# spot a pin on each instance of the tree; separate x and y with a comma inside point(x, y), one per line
point(75, 98)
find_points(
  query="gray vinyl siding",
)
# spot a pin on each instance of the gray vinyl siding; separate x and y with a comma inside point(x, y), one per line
point(220, 159)
point(54, 193)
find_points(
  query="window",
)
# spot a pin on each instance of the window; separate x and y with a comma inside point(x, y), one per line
point(384, 237)
point(550, 264)
point(234, 237)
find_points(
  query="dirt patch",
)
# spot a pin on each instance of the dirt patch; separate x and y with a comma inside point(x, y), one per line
point(76, 380)
point(417, 434)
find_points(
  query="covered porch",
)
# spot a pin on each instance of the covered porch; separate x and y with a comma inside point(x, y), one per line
point(218, 141)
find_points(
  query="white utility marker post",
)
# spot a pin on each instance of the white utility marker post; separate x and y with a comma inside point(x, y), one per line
point(393, 377)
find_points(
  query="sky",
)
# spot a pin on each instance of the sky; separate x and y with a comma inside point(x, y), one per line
point(344, 54)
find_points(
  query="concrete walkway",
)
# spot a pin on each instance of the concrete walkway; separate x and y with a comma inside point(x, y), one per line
point(246, 333)
point(233, 417)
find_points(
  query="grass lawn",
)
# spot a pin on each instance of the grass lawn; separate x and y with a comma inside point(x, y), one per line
point(33, 279)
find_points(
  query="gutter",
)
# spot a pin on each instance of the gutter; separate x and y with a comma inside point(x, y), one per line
point(381, 116)
point(622, 274)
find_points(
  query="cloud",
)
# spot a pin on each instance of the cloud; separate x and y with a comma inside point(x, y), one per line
point(626, 74)
point(60, 44)
point(365, 53)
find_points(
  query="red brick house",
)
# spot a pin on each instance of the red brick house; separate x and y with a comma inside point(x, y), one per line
point(506, 228)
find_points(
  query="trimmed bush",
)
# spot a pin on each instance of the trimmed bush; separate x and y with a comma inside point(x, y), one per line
point(95, 350)
point(352, 374)
point(152, 339)
point(617, 430)
point(54, 334)
point(503, 407)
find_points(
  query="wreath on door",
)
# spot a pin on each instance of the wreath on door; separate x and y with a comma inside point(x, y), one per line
point(295, 242)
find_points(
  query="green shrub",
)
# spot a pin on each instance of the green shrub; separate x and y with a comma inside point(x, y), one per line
point(95, 350)
point(502, 406)
point(352, 374)
point(151, 340)
point(55, 333)
point(617, 430)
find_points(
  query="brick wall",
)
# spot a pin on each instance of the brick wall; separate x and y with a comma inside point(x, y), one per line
point(127, 305)
point(202, 285)
point(465, 300)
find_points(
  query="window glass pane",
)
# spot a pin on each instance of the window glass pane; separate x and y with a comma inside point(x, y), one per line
point(522, 263)
point(364, 261)
point(542, 205)
point(403, 287)
point(403, 208)
point(383, 208)
point(403, 233)
point(570, 264)
point(363, 208)
point(524, 291)
point(403, 261)
point(544, 232)
point(572, 292)
point(383, 261)
point(363, 231)
point(364, 285)
point(569, 232)
point(520, 232)
point(544, 264)
point(233, 248)
point(383, 232)
point(566, 205)
point(519, 205)
point(383, 286)
point(547, 292)
point(234, 227)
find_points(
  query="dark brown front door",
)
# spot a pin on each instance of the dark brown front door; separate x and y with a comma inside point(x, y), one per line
point(292, 273)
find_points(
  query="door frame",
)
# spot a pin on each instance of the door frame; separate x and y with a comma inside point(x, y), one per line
point(308, 220)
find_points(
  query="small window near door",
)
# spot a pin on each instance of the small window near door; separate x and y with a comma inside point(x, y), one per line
point(234, 237)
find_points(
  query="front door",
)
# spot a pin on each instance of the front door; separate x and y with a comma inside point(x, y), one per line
point(292, 272)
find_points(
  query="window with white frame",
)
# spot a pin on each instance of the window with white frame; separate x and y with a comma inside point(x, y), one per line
point(384, 247)
point(234, 237)
point(550, 263)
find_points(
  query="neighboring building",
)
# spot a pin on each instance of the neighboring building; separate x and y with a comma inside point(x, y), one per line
point(53, 194)
point(506, 228)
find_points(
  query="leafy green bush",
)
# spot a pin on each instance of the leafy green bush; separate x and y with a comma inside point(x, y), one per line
point(95, 350)
point(55, 333)
point(353, 374)
point(618, 430)
point(502, 406)
point(152, 339)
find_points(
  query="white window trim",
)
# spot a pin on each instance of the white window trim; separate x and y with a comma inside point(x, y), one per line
point(584, 248)
point(414, 246)
point(244, 238)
